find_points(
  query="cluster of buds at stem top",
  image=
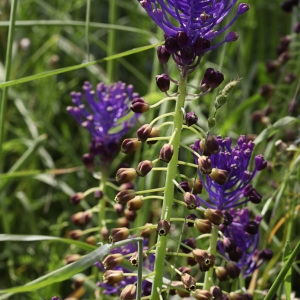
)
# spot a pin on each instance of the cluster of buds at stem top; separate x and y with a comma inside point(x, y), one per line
point(211, 80)
point(204, 259)
point(112, 260)
point(166, 153)
point(139, 105)
point(128, 292)
point(163, 82)
point(163, 227)
point(119, 234)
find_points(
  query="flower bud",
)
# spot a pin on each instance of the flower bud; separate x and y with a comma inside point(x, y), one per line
point(211, 79)
point(163, 227)
point(126, 186)
point(221, 273)
point(209, 145)
point(229, 244)
point(188, 281)
point(190, 200)
point(112, 260)
point(227, 218)
point(130, 215)
point(128, 292)
point(143, 133)
point(204, 164)
point(191, 217)
point(135, 204)
point(204, 259)
point(216, 293)
point(75, 234)
point(195, 185)
point(202, 295)
point(123, 222)
point(166, 153)
point(129, 145)
point(125, 175)
point(243, 7)
point(154, 133)
point(211, 122)
point(190, 243)
point(171, 45)
point(203, 226)
point(81, 218)
point(104, 234)
point(91, 240)
point(220, 100)
point(266, 254)
point(235, 254)
point(98, 195)
point(231, 37)
point(232, 269)
point(77, 198)
point(119, 234)
point(214, 215)
point(260, 162)
point(139, 105)
point(113, 277)
point(124, 196)
point(251, 227)
point(71, 258)
point(191, 118)
point(134, 259)
point(163, 82)
point(200, 44)
point(146, 232)
point(219, 176)
point(163, 54)
point(144, 167)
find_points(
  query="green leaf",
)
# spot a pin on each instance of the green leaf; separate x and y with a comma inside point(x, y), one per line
point(288, 276)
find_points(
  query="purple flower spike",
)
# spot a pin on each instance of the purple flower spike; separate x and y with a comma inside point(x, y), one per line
point(190, 25)
point(104, 115)
point(233, 162)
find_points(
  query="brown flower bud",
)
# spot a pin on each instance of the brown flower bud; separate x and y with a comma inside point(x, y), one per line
point(214, 215)
point(124, 196)
point(81, 218)
point(75, 234)
point(135, 204)
point(188, 281)
point(104, 234)
point(77, 198)
point(129, 145)
point(221, 273)
point(112, 277)
point(134, 259)
point(219, 176)
point(145, 233)
point(216, 293)
point(119, 234)
point(127, 186)
point(128, 292)
point(166, 153)
point(163, 227)
point(202, 295)
point(143, 133)
point(139, 105)
point(112, 260)
point(190, 200)
point(91, 240)
point(204, 259)
point(203, 226)
point(144, 167)
point(123, 222)
point(125, 175)
point(209, 146)
point(130, 215)
point(163, 82)
point(195, 185)
point(154, 133)
point(204, 164)
point(232, 269)
point(71, 258)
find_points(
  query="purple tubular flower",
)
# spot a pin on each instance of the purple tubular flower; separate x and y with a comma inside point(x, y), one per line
point(237, 190)
point(126, 250)
point(104, 115)
point(251, 257)
point(189, 24)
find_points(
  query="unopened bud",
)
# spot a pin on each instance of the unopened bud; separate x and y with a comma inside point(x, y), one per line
point(214, 215)
point(219, 176)
point(166, 153)
point(187, 244)
point(221, 273)
point(202, 295)
point(232, 269)
point(144, 167)
point(91, 240)
point(128, 292)
point(209, 145)
point(130, 215)
point(104, 234)
point(204, 164)
point(124, 196)
point(191, 118)
point(163, 54)
point(211, 122)
point(216, 293)
point(190, 200)
point(113, 277)
point(139, 105)
point(260, 162)
point(75, 234)
point(146, 232)
point(88, 160)
point(77, 198)
point(125, 175)
point(135, 204)
point(81, 218)
point(211, 79)
point(143, 133)
point(195, 185)
point(134, 259)
point(119, 234)
point(188, 281)
point(190, 217)
point(112, 260)
point(154, 133)
point(243, 7)
point(251, 227)
point(236, 254)
point(204, 259)
point(72, 258)
point(231, 37)
point(98, 194)
point(220, 100)
point(203, 226)
point(163, 82)
point(129, 145)
point(163, 227)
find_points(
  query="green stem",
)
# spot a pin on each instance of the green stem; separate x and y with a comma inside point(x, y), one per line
point(87, 28)
point(213, 250)
point(111, 41)
point(169, 191)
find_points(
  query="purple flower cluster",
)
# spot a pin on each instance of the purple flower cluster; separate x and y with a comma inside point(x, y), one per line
point(241, 241)
point(233, 187)
point(106, 116)
point(190, 25)
point(116, 289)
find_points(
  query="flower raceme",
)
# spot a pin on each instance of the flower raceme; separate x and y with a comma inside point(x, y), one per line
point(191, 25)
point(224, 172)
point(106, 116)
